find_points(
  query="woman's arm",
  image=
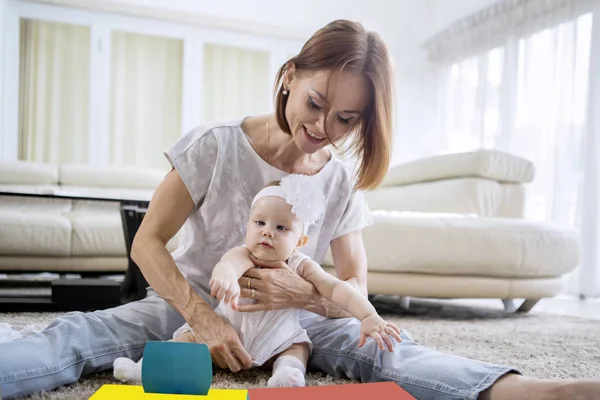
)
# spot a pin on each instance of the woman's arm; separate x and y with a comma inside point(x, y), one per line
point(168, 210)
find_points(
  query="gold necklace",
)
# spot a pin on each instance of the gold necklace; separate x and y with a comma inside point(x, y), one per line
point(268, 145)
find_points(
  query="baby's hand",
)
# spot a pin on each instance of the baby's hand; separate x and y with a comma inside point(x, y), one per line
point(380, 330)
point(224, 286)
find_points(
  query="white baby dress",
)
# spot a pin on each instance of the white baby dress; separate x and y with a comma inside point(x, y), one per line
point(264, 334)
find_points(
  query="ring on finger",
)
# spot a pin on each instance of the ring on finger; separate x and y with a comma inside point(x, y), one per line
point(249, 280)
point(252, 293)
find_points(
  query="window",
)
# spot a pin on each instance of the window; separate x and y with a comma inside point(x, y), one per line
point(528, 98)
point(237, 81)
point(54, 92)
point(103, 89)
point(145, 98)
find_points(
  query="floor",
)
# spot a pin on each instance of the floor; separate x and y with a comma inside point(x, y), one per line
point(560, 305)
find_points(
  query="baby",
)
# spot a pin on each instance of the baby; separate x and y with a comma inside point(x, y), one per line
point(277, 228)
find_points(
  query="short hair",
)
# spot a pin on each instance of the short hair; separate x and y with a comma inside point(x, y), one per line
point(345, 45)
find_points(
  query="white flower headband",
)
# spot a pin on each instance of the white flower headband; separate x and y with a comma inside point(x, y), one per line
point(302, 192)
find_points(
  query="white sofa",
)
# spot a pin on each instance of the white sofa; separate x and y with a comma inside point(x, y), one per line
point(43, 234)
point(452, 226)
point(446, 226)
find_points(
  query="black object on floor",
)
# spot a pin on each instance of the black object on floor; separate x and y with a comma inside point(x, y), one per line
point(67, 295)
point(135, 285)
point(75, 291)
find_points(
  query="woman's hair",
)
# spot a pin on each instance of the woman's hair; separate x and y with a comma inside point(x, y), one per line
point(345, 45)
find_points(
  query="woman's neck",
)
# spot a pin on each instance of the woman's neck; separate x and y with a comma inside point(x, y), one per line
point(281, 151)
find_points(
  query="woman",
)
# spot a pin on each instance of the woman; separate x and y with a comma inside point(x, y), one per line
point(337, 88)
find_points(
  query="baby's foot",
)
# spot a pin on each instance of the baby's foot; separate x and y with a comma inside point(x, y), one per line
point(126, 370)
point(286, 377)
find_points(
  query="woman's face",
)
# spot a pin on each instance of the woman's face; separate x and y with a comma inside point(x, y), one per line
point(305, 111)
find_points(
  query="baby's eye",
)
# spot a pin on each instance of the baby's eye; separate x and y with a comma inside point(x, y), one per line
point(260, 223)
point(281, 228)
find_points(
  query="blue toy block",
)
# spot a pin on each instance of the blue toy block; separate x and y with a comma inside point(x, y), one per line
point(177, 368)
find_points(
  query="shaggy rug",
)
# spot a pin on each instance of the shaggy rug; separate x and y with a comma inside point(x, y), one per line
point(540, 345)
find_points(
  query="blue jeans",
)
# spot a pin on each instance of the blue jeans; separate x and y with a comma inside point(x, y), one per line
point(78, 344)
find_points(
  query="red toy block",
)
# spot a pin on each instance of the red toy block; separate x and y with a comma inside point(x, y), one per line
point(355, 391)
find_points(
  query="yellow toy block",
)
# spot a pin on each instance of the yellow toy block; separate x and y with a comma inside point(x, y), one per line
point(133, 392)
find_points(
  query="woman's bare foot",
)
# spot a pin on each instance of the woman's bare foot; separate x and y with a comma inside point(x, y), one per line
point(515, 387)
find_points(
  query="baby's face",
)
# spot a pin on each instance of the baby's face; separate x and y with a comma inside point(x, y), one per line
point(273, 231)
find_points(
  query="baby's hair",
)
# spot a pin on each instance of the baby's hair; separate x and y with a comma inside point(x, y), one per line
point(272, 183)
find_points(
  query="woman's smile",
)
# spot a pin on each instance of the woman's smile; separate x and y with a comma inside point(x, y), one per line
point(318, 138)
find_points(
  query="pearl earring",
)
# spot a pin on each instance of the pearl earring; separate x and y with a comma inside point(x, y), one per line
point(285, 92)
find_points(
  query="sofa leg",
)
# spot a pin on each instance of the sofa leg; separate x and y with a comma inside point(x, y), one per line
point(527, 305)
point(509, 305)
point(404, 302)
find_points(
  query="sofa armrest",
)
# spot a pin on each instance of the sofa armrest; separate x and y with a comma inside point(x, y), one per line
point(477, 196)
point(487, 164)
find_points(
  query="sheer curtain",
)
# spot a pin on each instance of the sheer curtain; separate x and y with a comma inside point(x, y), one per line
point(236, 82)
point(54, 92)
point(529, 96)
point(146, 93)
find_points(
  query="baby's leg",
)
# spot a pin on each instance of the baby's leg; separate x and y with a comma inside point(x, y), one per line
point(127, 370)
point(290, 366)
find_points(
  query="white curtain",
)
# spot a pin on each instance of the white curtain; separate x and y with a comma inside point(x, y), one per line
point(237, 82)
point(504, 19)
point(530, 97)
point(54, 92)
point(146, 93)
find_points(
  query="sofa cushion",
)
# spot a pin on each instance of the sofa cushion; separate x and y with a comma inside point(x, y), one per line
point(488, 164)
point(29, 189)
point(65, 264)
point(97, 234)
point(447, 244)
point(34, 233)
point(108, 193)
point(28, 173)
point(19, 204)
point(478, 196)
point(109, 176)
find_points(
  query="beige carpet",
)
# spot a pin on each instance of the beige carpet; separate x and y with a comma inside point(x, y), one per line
point(540, 345)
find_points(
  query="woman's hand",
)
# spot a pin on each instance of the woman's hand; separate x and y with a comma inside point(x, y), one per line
point(275, 287)
point(380, 330)
point(223, 341)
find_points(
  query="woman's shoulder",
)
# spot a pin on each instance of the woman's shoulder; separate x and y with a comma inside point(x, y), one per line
point(340, 171)
point(208, 135)
point(217, 129)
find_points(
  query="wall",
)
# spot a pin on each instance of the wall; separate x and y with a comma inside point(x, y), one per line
point(2, 24)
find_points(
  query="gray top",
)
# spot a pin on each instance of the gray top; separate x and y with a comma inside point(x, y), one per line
point(223, 173)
